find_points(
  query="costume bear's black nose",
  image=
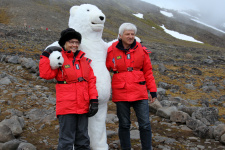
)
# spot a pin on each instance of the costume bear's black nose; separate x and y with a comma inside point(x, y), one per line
point(101, 18)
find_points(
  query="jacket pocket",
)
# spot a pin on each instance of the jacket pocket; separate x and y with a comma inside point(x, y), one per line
point(119, 91)
point(118, 85)
point(65, 92)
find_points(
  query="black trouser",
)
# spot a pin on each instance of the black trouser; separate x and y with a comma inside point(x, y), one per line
point(73, 131)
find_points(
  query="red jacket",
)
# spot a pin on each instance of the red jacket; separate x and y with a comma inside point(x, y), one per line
point(133, 74)
point(73, 97)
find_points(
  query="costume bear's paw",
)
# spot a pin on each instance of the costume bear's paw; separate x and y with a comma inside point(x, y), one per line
point(56, 59)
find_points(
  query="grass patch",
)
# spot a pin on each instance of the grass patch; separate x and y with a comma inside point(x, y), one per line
point(4, 16)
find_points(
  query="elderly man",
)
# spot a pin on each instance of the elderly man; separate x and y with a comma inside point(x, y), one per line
point(132, 79)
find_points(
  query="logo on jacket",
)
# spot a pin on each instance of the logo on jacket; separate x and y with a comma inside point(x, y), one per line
point(118, 57)
point(67, 66)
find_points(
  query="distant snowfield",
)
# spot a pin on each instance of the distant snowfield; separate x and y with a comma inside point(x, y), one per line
point(195, 19)
point(180, 6)
point(208, 25)
point(172, 33)
point(177, 34)
point(139, 15)
point(182, 12)
point(180, 36)
point(168, 14)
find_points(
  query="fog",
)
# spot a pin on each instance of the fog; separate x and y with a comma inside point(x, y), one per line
point(211, 11)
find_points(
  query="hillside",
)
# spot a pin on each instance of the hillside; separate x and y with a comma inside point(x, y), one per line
point(52, 14)
point(188, 71)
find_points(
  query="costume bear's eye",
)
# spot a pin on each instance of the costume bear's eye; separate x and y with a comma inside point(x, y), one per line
point(88, 10)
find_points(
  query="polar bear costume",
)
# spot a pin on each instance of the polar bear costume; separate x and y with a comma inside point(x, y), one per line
point(56, 60)
point(89, 21)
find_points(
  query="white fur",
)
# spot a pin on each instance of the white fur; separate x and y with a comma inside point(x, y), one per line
point(56, 59)
point(138, 39)
point(86, 19)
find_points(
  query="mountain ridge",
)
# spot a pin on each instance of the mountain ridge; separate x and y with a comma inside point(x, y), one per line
point(54, 14)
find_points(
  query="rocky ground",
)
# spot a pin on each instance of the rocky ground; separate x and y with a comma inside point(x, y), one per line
point(194, 79)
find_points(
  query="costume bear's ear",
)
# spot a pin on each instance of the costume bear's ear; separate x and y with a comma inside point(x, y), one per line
point(73, 10)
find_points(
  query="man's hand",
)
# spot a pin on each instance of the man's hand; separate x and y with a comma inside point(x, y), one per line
point(151, 99)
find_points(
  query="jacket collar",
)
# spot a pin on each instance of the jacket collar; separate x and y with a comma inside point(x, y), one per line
point(78, 54)
point(120, 45)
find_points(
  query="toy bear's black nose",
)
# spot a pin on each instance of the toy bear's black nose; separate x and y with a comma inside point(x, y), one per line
point(59, 63)
point(101, 17)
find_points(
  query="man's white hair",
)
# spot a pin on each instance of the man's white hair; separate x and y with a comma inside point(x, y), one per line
point(127, 26)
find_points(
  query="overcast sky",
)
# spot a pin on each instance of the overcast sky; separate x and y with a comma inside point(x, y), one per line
point(213, 10)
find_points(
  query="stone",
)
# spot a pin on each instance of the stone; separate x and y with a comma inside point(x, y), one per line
point(179, 116)
point(219, 131)
point(153, 107)
point(5, 133)
point(26, 146)
point(193, 123)
point(15, 124)
point(165, 112)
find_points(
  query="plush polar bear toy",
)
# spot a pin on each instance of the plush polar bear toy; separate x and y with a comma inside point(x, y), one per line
point(89, 21)
point(56, 60)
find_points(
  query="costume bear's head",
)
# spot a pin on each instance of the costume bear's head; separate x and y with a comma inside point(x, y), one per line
point(56, 59)
point(86, 19)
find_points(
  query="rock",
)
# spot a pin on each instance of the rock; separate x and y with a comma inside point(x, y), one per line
point(196, 71)
point(11, 145)
point(164, 85)
point(111, 118)
point(185, 128)
point(166, 111)
point(14, 59)
point(201, 131)
point(26, 146)
point(194, 123)
point(211, 132)
point(189, 86)
point(209, 113)
point(161, 68)
point(15, 112)
point(219, 131)
point(134, 134)
point(222, 139)
point(2, 58)
point(179, 116)
point(15, 124)
point(166, 103)
point(161, 93)
point(209, 60)
point(5, 133)
point(5, 81)
point(222, 98)
point(210, 88)
point(153, 107)
point(188, 110)
point(110, 133)
point(41, 115)
point(28, 63)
